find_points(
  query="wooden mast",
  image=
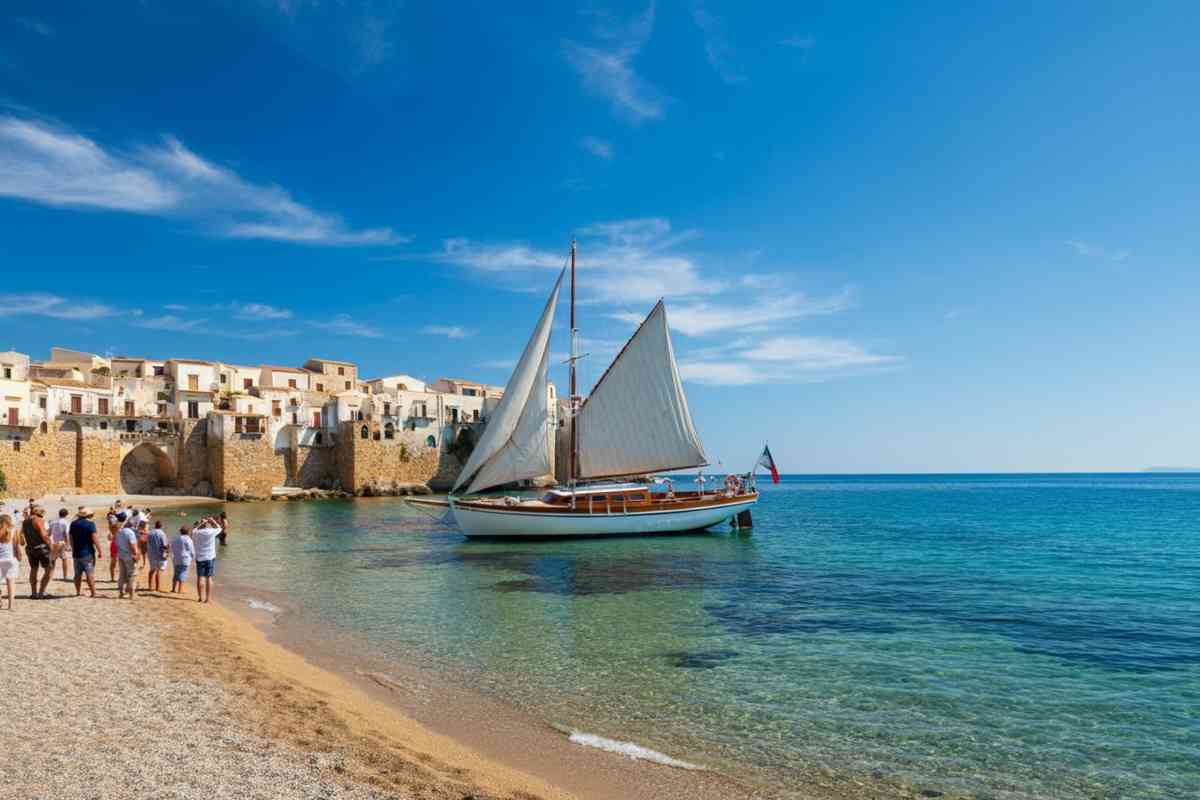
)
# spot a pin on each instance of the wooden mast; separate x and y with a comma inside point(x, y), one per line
point(572, 467)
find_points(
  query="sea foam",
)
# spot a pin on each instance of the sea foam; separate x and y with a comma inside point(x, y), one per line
point(628, 749)
point(262, 605)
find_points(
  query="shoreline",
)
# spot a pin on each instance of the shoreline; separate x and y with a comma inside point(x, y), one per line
point(99, 502)
point(484, 724)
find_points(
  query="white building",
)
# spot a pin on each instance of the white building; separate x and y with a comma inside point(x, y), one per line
point(391, 383)
point(16, 408)
point(195, 386)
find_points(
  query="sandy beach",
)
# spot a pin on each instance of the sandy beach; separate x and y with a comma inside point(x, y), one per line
point(164, 697)
point(100, 502)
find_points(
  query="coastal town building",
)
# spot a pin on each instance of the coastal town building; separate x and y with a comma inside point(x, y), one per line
point(83, 422)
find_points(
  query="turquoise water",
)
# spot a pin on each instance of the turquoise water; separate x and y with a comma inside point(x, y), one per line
point(987, 636)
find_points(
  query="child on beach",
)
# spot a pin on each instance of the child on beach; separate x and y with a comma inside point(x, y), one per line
point(204, 537)
point(59, 543)
point(10, 556)
point(157, 552)
point(183, 552)
point(127, 558)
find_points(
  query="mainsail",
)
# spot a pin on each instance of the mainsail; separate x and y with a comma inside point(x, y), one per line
point(515, 445)
point(636, 419)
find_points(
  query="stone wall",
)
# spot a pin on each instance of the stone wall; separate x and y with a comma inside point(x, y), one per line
point(36, 463)
point(245, 464)
point(312, 467)
point(192, 469)
point(375, 459)
point(100, 464)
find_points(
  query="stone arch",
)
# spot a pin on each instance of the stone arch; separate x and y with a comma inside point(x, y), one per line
point(146, 468)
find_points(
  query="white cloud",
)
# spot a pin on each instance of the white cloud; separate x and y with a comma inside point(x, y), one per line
point(606, 69)
point(799, 42)
point(1090, 250)
point(449, 331)
point(716, 46)
point(174, 323)
point(43, 304)
point(54, 166)
point(783, 359)
point(175, 307)
point(466, 253)
point(344, 325)
point(704, 318)
point(260, 311)
point(600, 148)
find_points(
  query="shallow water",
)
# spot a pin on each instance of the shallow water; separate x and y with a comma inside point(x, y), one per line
point(993, 636)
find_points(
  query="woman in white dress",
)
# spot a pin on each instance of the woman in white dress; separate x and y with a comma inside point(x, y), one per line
point(10, 556)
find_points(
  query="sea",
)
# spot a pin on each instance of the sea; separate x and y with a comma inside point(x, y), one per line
point(984, 636)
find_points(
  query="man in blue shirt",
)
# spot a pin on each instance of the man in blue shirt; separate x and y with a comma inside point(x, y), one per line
point(85, 546)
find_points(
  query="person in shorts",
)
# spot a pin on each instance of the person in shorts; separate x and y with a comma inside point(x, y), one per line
point(116, 521)
point(127, 562)
point(204, 537)
point(10, 556)
point(183, 553)
point(157, 554)
point(85, 547)
point(37, 550)
point(60, 542)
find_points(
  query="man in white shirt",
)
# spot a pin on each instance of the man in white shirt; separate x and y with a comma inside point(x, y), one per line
point(204, 540)
point(127, 561)
point(60, 544)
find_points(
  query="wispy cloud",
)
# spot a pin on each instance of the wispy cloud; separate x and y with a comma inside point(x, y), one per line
point(260, 311)
point(784, 359)
point(606, 67)
point(449, 331)
point(174, 323)
point(756, 314)
point(798, 42)
point(1090, 250)
point(600, 148)
point(48, 164)
point(43, 304)
point(344, 325)
point(717, 49)
point(499, 363)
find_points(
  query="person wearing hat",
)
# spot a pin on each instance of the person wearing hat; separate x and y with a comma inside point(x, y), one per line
point(37, 548)
point(85, 546)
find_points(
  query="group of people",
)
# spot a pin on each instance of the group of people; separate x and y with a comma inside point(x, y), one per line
point(135, 545)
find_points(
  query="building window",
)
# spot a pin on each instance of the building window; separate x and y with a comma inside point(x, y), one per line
point(341, 370)
point(475, 415)
point(104, 425)
point(291, 383)
point(295, 418)
point(389, 431)
point(469, 392)
point(103, 405)
point(130, 426)
point(316, 419)
point(224, 378)
point(129, 409)
point(347, 386)
point(276, 410)
point(159, 371)
point(320, 387)
point(42, 403)
point(193, 383)
point(162, 409)
point(387, 411)
point(366, 434)
point(7, 373)
point(430, 441)
point(247, 383)
point(193, 409)
point(44, 428)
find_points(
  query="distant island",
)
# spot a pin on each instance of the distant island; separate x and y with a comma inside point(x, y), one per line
point(1171, 469)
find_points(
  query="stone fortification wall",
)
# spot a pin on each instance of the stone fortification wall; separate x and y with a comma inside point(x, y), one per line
point(192, 470)
point(312, 467)
point(374, 463)
point(36, 463)
point(244, 465)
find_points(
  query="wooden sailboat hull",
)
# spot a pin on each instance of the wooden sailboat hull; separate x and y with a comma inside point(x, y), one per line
point(480, 521)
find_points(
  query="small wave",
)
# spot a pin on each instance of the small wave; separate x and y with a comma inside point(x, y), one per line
point(262, 605)
point(628, 749)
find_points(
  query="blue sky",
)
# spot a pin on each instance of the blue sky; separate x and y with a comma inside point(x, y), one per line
point(929, 238)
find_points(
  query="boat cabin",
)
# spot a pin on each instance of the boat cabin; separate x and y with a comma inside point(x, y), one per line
point(601, 497)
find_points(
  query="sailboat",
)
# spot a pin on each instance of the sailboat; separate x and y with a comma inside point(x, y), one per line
point(634, 423)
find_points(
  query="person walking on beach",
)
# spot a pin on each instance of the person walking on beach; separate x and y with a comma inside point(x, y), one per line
point(204, 538)
point(157, 553)
point(224, 523)
point(10, 556)
point(85, 546)
point(60, 544)
point(127, 557)
point(37, 549)
point(183, 552)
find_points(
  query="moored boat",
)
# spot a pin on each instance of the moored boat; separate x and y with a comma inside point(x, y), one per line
point(635, 422)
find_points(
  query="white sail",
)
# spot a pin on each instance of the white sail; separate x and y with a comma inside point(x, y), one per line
point(636, 420)
point(513, 446)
